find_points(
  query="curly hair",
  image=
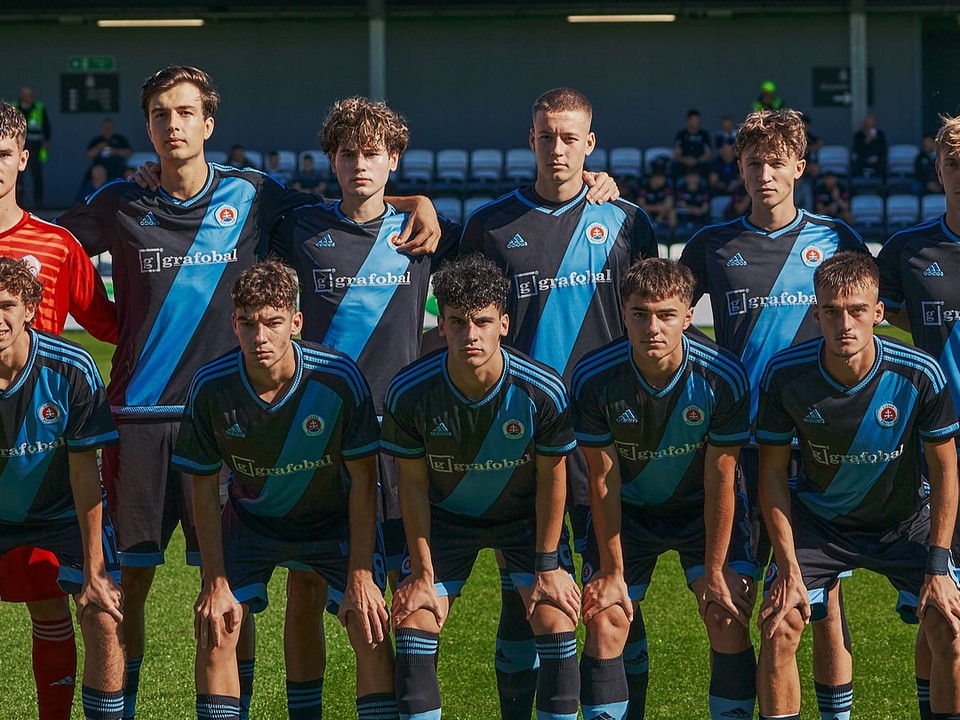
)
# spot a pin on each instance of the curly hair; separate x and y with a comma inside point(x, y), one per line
point(269, 283)
point(368, 125)
point(948, 137)
point(845, 272)
point(658, 279)
point(12, 124)
point(18, 279)
point(174, 75)
point(470, 283)
point(773, 132)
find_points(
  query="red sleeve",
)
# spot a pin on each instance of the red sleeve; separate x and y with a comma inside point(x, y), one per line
point(89, 303)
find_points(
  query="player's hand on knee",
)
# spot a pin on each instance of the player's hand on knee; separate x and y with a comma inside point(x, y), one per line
point(216, 614)
point(600, 187)
point(940, 592)
point(103, 592)
point(415, 593)
point(363, 598)
point(148, 176)
point(731, 591)
point(786, 594)
point(603, 591)
point(421, 233)
point(555, 587)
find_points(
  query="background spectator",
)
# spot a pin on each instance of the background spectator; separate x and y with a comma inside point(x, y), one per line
point(869, 150)
point(273, 169)
point(691, 147)
point(109, 149)
point(831, 198)
point(237, 157)
point(768, 99)
point(727, 134)
point(925, 170)
point(308, 178)
point(656, 198)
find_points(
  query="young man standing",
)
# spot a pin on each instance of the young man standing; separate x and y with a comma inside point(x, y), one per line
point(284, 416)
point(54, 418)
point(72, 286)
point(564, 258)
point(860, 406)
point(662, 414)
point(480, 434)
point(758, 271)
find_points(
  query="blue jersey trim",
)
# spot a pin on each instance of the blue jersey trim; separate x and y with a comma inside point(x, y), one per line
point(594, 440)
point(200, 468)
point(555, 450)
point(767, 437)
point(486, 398)
point(194, 198)
point(948, 431)
point(394, 449)
point(411, 376)
point(365, 451)
point(596, 362)
point(338, 365)
point(107, 438)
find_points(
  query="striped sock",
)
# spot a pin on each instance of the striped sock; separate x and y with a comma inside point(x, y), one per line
point(418, 694)
point(733, 684)
point(516, 661)
point(218, 707)
point(603, 688)
point(636, 662)
point(558, 686)
point(245, 669)
point(54, 666)
point(923, 698)
point(305, 699)
point(377, 706)
point(131, 684)
point(834, 701)
point(102, 704)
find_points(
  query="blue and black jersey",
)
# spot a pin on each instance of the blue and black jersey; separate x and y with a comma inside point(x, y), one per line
point(761, 283)
point(285, 455)
point(358, 294)
point(174, 264)
point(481, 456)
point(661, 435)
point(57, 404)
point(860, 445)
point(565, 263)
point(917, 277)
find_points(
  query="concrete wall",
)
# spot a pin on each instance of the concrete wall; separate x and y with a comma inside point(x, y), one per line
point(470, 83)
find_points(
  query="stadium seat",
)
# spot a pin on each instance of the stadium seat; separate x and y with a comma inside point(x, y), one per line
point(486, 166)
point(654, 154)
point(416, 166)
point(718, 207)
point(597, 160)
point(255, 158)
point(903, 211)
point(520, 166)
point(835, 159)
point(452, 167)
point(626, 162)
point(932, 206)
point(139, 158)
point(867, 214)
point(900, 159)
point(287, 161)
point(215, 156)
point(470, 205)
point(450, 208)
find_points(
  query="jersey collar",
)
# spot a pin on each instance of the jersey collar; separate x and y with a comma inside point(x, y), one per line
point(773, 234)
point(486, 398)
point(860, 385)
point(946, 229)
point(528, 196)
point(390, 210)
point(190, 200)
point(673, 381)
point(294, 383)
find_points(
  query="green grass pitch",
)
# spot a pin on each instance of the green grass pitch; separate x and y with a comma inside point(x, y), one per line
point(882, 646)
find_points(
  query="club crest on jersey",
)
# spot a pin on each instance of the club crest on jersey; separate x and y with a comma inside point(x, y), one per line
point(394, 239)
point(226, 215)
point(313, 425)
point(887, 414)
point(812, 256)
point(513, 429)
point(48, 413)
point(586, 573)
point(597, 233)
point(32, 264)
point(692, 415)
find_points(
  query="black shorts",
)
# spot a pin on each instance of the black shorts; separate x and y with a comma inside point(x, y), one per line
point(391, 524)
point(578, 497)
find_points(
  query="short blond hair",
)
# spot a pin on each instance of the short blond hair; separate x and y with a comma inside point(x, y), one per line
point(773, 132)
point(948, 136)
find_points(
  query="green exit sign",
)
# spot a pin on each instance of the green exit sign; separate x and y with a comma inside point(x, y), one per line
point(91, 62)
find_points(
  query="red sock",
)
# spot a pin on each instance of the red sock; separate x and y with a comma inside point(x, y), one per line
point(54, 667)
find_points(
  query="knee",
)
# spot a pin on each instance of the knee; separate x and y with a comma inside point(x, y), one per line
point(944, 642)
point(609, 625)
point(723, 628)
point(786, 638)
point(99, 628)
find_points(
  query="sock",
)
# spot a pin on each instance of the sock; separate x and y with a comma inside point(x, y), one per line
point(54, 667)
point(733, 684)
point(131, 684)
point(780, 717)
point(603, 688)
point(636, 663)
point(516, 660)
point(418, 694)
point(245, 668)
point(305, 699)
point(944, 716)
point(834, 701)
point(923, 698)
point(558, 684)
point(218, 707)
point(102, 704)
point(377, 706)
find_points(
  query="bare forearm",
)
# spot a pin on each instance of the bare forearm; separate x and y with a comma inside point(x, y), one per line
point(206, 511)
point(719, 505)
point(775, 503)
point(942, 461)
point(413, 490)
point(606, 508)
point(363, 513)
point(551, 495)
point(87, 500)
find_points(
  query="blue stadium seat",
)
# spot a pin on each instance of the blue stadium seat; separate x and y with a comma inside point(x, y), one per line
point(470, 205)
point(452, 167)
point(450, 208)
point(486, 165)
point(597, 160)
point(932, 206)
point(625, 162)
point(654, 154)
point(416, 171)
point(520, 167)
point(215, 156)
point(903, 211)
point(718, 207)
point(255, 158)
point(900, 159)
point(287, 161)
point(867, 214)
point(835, 159)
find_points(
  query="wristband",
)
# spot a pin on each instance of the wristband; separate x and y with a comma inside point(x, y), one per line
point(546, 561)
point(938, 561)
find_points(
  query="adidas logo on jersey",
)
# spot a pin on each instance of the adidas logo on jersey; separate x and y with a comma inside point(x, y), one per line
point(235, 431)
point(325, 241)
point(933, 271)
point(814, 417)
point(516, 242)
point(149, 220)
point(737, 261)
point(627, 417)
point(441, 431)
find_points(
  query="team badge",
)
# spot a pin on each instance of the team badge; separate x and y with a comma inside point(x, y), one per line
point(394, 239)
point(586, 573)
point(812, 256)
point(48, 413)
point(32, 263)
point(693, 415)
point(887, 414)
point(226, 215)
point(513, 429)
point(406, 568)
point(313, 425)
point(597, 234)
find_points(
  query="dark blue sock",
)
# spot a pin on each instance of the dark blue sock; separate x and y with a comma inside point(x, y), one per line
point(377, 706)
point(131, 684)
point(305, 699)
point(636, 663)
point(603, 688)
point(245, 668)
point(923, 698)
point(218, 707)
point(516, 662)
point(733, 684)
point(834, 701)
point(102, 704)
point(558, 685)
point(418, 694)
